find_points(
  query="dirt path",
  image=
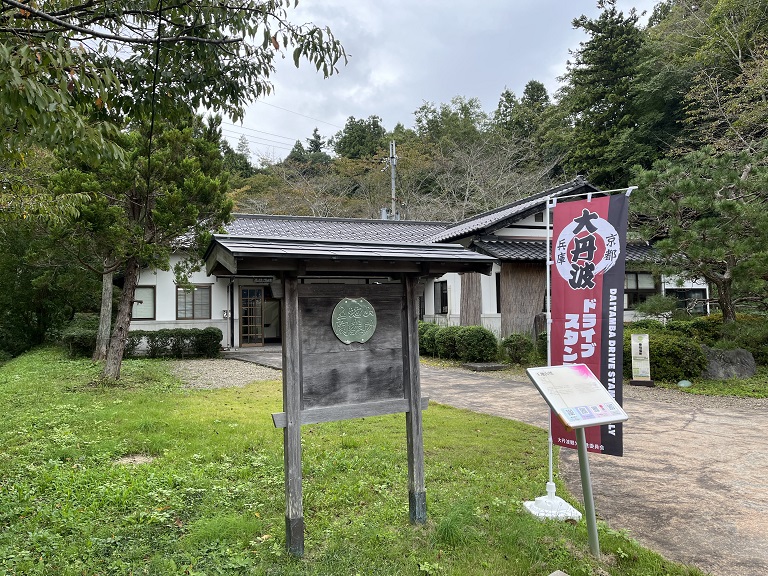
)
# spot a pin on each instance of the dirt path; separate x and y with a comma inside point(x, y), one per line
point(692, 485)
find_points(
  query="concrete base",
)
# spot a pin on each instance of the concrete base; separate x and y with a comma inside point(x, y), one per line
point(552, 507)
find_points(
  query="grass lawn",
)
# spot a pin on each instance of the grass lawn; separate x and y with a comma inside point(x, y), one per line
point(208, 497)
point(754, 387)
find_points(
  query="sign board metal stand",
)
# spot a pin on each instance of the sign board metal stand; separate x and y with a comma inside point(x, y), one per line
point(579, 399)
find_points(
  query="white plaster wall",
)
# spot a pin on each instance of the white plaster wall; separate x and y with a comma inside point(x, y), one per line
point(165, 300)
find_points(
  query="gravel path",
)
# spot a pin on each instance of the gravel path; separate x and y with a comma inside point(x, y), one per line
point(220, 373)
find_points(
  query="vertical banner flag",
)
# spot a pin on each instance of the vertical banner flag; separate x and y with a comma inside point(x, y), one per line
point(587, 292)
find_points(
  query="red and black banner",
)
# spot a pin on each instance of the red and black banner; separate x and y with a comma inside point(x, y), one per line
point(587, 291)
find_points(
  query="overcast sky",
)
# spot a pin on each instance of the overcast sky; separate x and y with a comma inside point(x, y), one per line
point(403, 53)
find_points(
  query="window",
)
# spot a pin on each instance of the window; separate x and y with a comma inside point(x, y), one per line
point(144, 303)
point(691, 299)
point(538, 217)
point(441, 297)
point(637, 287)
point(193, 304)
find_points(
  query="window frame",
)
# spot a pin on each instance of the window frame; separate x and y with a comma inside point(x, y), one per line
point(134, 316)
point(686, 295)
point(636, 295)
point(441, 297)
point(194, 290)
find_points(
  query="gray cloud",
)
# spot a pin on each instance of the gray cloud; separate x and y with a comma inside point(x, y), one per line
point(403, 53)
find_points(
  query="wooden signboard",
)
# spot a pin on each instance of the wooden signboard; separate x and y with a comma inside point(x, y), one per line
point(349, 351)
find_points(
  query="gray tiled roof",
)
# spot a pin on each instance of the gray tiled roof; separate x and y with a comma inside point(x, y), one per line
point(500, 217)
point(536, 250)
point(339, 229)
point(343, 256)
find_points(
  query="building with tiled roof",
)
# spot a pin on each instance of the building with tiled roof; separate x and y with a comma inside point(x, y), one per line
point(247, 310)
point(513, 297)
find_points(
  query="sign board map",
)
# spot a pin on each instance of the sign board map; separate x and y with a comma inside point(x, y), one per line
point(576, 395)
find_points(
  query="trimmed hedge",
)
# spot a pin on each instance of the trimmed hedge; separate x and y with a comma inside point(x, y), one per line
point(518, 347)
point(465, 343)
point(176, 342)
point(446, 342)
point(476, 344)
point(79, 337)
point(427, 332)
point(673, 356)
point(748, 332)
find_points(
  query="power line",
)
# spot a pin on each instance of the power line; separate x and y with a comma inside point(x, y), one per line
point(254, 139)
point(299, 114)
point(259, 131)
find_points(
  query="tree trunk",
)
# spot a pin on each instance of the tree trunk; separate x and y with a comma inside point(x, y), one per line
point(471, 299)
point(105, 318)
point(122, 322)
point(725, 299)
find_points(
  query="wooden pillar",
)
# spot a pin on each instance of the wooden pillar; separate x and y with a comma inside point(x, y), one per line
point(471, 300)
point(523, 288)
point(417, 493)
point(294, 509)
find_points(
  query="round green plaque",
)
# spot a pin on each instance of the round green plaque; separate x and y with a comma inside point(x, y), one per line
point(353, 320)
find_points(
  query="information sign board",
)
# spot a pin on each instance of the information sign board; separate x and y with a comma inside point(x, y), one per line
point(641, 360)
point(576, 395)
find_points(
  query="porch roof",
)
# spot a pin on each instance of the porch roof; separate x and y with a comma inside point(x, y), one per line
point(235, 255)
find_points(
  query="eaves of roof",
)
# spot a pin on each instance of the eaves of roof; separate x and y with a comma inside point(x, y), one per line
point(231, 255)
point(493, 220)
point(536, 250)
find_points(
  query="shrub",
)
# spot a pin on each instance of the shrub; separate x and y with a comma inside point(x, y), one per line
point(176, 342)
point(708, 329)
point(207, 343)
point(427, 338)
point(541, 345)
point(673, 356)
point(476, 344)
point(683, 327)
point(646, 325)
point(445, 342)
point(748, 333)
point(518, 347)
point(79, 337)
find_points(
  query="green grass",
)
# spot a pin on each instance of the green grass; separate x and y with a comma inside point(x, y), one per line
point(754, 387)
point(211, 500)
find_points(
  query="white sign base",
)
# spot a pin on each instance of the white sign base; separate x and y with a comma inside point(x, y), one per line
point(552, 507)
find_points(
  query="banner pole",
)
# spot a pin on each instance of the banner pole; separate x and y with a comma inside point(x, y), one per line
point(586, 487)
point(550, 506)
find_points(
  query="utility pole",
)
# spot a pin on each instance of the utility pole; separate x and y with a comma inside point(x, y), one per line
point(393, 164)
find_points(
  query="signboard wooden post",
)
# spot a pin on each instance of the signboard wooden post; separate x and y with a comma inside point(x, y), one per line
point(349, 351)
point(579, 399)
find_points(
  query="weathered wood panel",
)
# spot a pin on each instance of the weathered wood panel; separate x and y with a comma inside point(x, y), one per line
point(417, 492)
point(352, 377)
point(471, 300)
point(523, 287)
point(335, 373)
point(294, 510)
point(334, 413)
